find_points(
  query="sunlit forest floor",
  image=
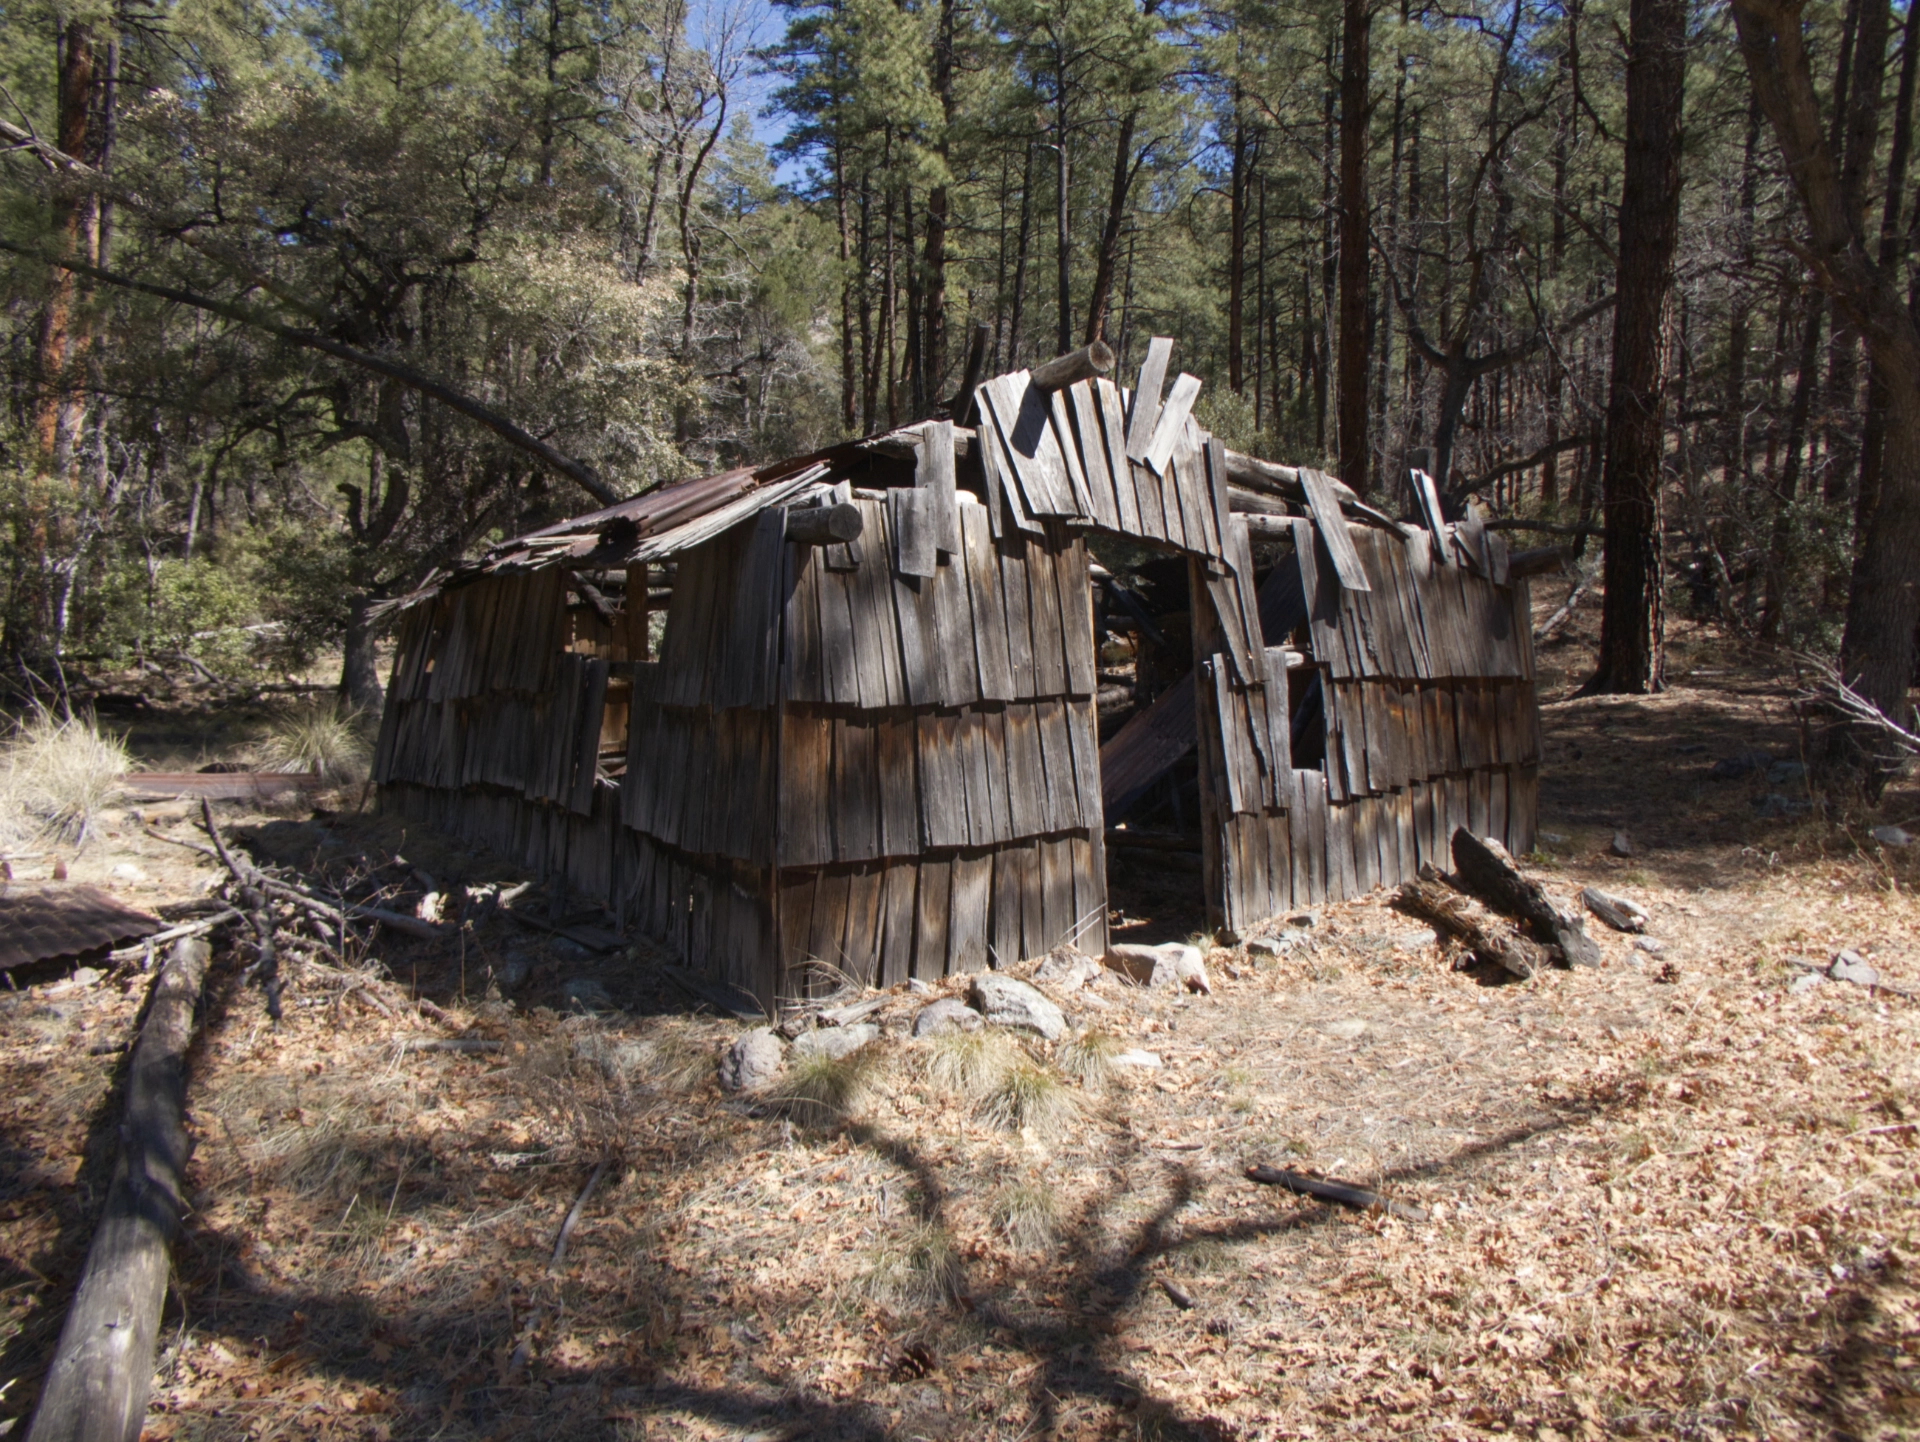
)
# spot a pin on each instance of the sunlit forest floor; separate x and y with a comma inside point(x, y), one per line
point(1671, 1197)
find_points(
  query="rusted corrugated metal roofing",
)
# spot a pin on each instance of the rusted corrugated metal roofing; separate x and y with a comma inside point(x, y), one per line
point(41, 925)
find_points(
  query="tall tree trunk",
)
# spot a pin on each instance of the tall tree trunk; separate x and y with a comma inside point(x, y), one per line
point(1883, 604)
point(1000, 270)
point(1632, 626)
point(888, 301)
point(915, 371)
point(1108, 261)
point(63, 338)
point(1062, 205)
point(359, 664)
point(1236, 249)
point(1556, 366)
point(1356, 57)
point(933, 329)
point(1261, 300)
point(1780, 541)
point(869, 344)
point(1739, 338)
point(848, 416)
point(1328, 252)
point(1020, 248)
point(1873, 441)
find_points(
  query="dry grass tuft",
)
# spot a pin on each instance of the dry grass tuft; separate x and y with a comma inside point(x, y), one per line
point(1029, 1096)
point(818, 1089)
point(56, 777)
point(323, 736)
point(971, 1064)
point(917, 1267)
point(1028, 1216)
point(1088, 1058)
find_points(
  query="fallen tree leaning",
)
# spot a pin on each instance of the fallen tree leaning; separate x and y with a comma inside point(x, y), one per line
point(96, 1389)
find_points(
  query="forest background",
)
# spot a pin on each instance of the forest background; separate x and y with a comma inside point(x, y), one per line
point(304, 297)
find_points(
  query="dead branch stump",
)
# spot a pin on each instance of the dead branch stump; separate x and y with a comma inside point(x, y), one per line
point(1492, 939)
point(1496, 881)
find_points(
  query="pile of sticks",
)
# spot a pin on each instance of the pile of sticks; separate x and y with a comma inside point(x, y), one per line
point(275, 908)
point(1503, 917)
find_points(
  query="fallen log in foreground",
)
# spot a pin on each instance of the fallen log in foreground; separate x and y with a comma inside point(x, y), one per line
point(96, 1389)
point(1345, 1193)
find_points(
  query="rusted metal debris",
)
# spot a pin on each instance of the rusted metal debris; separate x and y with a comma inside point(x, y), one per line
point(42, 925)
point(217, 785)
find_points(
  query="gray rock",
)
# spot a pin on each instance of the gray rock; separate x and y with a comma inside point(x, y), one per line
point(1853, 967)
point(588, 993)
point(1182, 969)
point(754, 1059)
point(918, 987)
point(1173, 966)
point(1133, 961)
point(1134, 1057)
point(1805, 983)
point(949, 1013)
point(1269, 948)
point(1893, 836)
point(1414, 940)
point(1621, 845)
point(1649, 945)
point(1067, 970)
point(1006, 1002)
point(835, 1041)
point(1784, 773)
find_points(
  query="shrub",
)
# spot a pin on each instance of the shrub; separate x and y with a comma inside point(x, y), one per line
point(1029, 1096)
point(57, 776)
point(970, 1063)
point(324, 737)
point(1028, 1216)
point(818, 1089)
point(1088, 1058)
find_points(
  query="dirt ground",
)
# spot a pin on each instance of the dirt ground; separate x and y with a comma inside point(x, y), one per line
point(1671, 1197)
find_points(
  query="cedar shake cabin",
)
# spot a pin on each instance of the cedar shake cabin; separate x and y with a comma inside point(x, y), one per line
point(867, 729)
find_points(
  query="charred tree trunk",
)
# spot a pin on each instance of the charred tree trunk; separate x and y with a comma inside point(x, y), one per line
point(1632, 621)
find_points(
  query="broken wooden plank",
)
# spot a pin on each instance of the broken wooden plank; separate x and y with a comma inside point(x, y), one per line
point(1332, 526)
point(934, 473)
point(1171, 422)
point(915, 525)
point(1146, 397)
